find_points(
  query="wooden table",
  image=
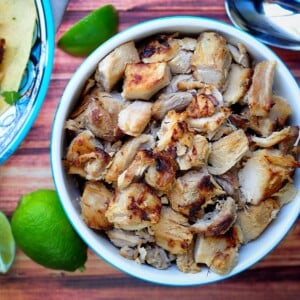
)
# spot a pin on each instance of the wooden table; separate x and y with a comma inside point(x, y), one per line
point(275, 277)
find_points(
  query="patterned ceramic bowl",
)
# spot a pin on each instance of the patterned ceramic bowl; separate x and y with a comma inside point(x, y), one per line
point(69, 193)
point(18, 119)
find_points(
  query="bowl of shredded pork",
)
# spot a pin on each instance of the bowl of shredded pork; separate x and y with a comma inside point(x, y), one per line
point(174, 151)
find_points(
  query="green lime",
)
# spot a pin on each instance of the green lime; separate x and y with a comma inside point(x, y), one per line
point(7, 244)
point(90, 32)
point(42, 230)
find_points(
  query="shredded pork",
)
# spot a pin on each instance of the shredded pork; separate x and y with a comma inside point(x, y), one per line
point(184, 150)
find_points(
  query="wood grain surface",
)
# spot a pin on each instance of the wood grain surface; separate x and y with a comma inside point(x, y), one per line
point(277, 276)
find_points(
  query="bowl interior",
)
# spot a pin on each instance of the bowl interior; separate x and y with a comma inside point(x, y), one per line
point(251, 253)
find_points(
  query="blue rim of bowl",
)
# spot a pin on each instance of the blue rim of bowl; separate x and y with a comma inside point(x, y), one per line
point(71, 211)
point(47, 32)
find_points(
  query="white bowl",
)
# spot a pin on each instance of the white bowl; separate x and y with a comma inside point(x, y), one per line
point(251, 253)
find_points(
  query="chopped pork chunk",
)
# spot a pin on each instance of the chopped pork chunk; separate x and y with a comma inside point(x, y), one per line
point(218, 221)
point(219, 253)
point(193, 192)
point(175, 82)
point(158, 257)
point(186, 262)
point(181, 63)
point(201, 106)
point(141, 162)
point(260, 92)
point(134, 208)
point(85, 157)
point(227, 151)
point(111, 69)
point(142, 81)
point(161, 48)
point(161, 174)
point(126, 154)
point(173, 129)
point(172, 232)
point(240, 54)
point(135, 117)
point(100, 115)
point(209, 124)
point(273, 139)
point(122, 238)
point(195, 155)
point(264, 174)
point(286, 194)
point(172, 101)
point(211, 59)
point(94, 203)
point(238, 83)
point(254, 219)
point(277, 117)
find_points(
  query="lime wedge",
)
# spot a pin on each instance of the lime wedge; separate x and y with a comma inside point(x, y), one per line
point(7, 244)
point(90, 32)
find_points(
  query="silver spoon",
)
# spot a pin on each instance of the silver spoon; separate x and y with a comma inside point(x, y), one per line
point(274, 22)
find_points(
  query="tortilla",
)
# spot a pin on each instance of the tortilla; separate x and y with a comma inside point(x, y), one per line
point(17, 23)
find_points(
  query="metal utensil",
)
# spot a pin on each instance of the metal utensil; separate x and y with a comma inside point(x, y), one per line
point(274, 22)
point(58, 10)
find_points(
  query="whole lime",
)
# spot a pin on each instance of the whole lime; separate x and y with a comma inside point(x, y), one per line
point(42, 230)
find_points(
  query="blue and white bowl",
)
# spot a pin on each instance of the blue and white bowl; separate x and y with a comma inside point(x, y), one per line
point(18, 119)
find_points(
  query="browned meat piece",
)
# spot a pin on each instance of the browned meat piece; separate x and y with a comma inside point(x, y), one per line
point(111, 69)
point(126, 154)
point(217, 222)
point(134, 118)
point(85, 157)
point(238, 82)
point(201, 106)
point(195, 154)
point(141, 162)
point(186, 262)
point(173, 101)
point(260, 92)
point(99, 114)
point(142, 81)
point(211, 59)
point(273, 139)
point(161, 174)
point(227, 151)
point(134, 208)
point(219, 253)
point(264, 174)
point(173, 129)
point(240, 54)
point(210, 124)
point(277, 117)
point(193, 192)
point(161, 48)
point(286, 194)
point(94, 203)
point(172, 232)
point(254, 219)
